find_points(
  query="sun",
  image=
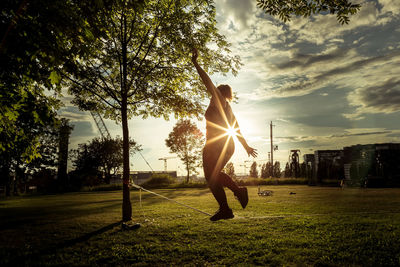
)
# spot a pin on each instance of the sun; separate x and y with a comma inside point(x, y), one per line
point(230, 131)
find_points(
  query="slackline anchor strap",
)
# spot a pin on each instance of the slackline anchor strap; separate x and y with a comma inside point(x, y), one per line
point(154, 193)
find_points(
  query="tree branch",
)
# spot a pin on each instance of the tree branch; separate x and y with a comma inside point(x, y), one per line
point(91, 91)
point(105, 87)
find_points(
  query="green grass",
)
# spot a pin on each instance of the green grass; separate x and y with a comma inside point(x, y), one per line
point(315, 226)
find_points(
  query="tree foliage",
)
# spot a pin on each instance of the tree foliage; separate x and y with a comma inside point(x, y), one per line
point(277, 169)
point(27, 135)
point(288, 171)
point(99, 160)
point(186, 140)
point(253, 170)
point(230, 169)
point(37, 37)
point(143, 56)
point(285, 9)
point(266, 170)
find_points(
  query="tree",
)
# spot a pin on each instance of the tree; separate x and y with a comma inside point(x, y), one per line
point(186, 140)
point(99, 160)
point(303, 169)
point(253, 170)
point(37, 37)
point(277, 169)
point(141, 66)
point(230, 169)
point(288, 172)
point(36, 121)
point(285, 9)
point(266, 170)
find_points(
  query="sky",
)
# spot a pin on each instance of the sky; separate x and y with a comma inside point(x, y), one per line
point(323, 85)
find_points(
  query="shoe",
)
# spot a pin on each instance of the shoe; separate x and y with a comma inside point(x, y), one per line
point(242, 196)
point(126, 226)
point(222, 214)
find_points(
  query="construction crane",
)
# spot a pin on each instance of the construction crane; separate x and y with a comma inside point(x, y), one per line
point(165, 161)
point(244, 165)
point(105, 134)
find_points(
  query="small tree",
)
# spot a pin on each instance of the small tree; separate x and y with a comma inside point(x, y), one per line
point(288, 172)
point(101, 158)
point(303, 169)
point(277, 169)
point(230, 169)
point(186, 140)
point(266, 170)
point(253, 170)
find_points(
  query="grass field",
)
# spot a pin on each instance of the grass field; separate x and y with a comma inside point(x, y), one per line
point(315, 226)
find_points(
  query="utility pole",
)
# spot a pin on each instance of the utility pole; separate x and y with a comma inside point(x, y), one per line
point(272, 148)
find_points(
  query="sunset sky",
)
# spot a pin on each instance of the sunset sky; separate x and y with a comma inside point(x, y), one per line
point(322, 84)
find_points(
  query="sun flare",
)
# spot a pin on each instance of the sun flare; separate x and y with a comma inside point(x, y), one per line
point(231, 131)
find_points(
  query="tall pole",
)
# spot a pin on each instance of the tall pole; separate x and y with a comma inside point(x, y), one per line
point(272, 150)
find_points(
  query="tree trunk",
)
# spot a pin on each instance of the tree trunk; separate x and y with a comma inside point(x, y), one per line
point(187, 176)
point(126, 200)
point(6, 177)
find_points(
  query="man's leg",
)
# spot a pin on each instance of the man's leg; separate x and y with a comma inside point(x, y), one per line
point(226, 180)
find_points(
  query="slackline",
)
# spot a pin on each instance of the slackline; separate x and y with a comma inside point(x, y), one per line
point(318, 214)
point(154, 193)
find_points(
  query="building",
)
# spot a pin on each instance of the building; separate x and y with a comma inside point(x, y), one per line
point(328, 166)
point(309, 160)
point(372, 165)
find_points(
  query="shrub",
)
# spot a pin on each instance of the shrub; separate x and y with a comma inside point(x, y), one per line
point(189, 185)
point(271, 181)
point(103, 187)
point(158, 181)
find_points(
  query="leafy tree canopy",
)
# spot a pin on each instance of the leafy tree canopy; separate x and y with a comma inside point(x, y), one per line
point(142, 56)
point(100, 157)
point(253, 170)
point(186, 140)
point(285, 9)
point(230, 169)
point(36, 38)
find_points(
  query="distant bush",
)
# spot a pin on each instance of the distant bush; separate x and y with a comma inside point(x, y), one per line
point(271, 181)
point(103, 187)
point(159, 181)
point(188, 185)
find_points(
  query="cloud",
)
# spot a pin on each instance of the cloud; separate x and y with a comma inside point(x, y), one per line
point(378, 98)
point(340, 138)
point(237, 13)
point(82, 129)
point(74, 114)
point(305, 61)
point(390, 7)
point(348, 134)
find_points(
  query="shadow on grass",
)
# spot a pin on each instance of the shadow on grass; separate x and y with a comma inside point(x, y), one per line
point(51, 249)
point(17, 218)
point(85, 237)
